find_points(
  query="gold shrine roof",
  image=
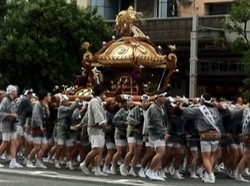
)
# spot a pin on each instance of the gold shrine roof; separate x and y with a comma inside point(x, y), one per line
point(130, 50)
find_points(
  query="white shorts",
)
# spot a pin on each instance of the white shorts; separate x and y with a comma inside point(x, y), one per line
point(7, 136)
point(40, 140)
point(209, 146)
point(157, 143)
point(175, 145)
point(110, 145)
point(194, 149)
point(55, 139)
point(66, 142)
point(233, 146)
point(20, 130)
point(97, 141)
point(28, 137)
point(134, 140)
point(50, 140)
point(149, 144)
point(120, 142)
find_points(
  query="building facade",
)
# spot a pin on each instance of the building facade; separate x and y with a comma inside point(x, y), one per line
point(149, 8)
point(203, 7)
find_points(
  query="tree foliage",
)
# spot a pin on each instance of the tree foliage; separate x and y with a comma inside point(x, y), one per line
point(2, 9)
point(40, 41)
point(238, 21)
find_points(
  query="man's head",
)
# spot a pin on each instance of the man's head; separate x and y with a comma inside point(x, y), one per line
point(98, 90)
point(145, 101)
point(206, 98)
point(27, 90)
point(64, 100)
point(160, 96)
point(12, 90)
point(43, 95)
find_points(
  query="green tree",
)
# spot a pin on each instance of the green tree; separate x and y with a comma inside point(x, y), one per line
point(237, 22)
point(40, 41)
point(2, 9)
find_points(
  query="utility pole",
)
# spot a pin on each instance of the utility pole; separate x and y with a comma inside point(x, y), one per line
point(193, 57)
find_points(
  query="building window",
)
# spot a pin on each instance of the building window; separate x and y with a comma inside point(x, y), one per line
point(217, 8)
point(107, 8)
point(125, 4)
point(147, 7)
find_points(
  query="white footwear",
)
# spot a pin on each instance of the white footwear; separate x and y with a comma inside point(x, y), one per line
point(112, 169)
point(132, 172)
point(1, 165)
point(123, 170)
point(241, 179)
point(193, 175)
point(177, 175)
point(171, 170)
point(25, 160)
point(162, 174)
point(217, 168)
point(57, 164)
point(141, 173)
point(69, 165)
point(119, 162)
point(105, 169)
point(98, 172)
point(151, 175)
point(51, 160)
point(14, 164)
point(30, 164)
point(246, 172)
point(200, 171)
point(158, 177)
point(84, 169)
point(39, 164)
point(62, 161)
point(208, 180)
point(222, 166)
point(45, 160)
point(166, 170)
point(205, 176)
point(5, 157)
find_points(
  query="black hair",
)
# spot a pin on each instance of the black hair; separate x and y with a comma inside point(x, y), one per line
point(206, 96)
point(27, 89)
point(98, 89)
point(41, 94)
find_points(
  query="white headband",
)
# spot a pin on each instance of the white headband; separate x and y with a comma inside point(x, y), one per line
point(206, 101)
point(161, 95)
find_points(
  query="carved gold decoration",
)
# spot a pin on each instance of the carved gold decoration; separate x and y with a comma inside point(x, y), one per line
point(137, 32)
point(128, 50)
point(172, 56)
point(172, 47)
point(88, 54)
point(125, 20)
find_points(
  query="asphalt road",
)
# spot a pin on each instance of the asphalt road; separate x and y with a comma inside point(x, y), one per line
point(65, 177)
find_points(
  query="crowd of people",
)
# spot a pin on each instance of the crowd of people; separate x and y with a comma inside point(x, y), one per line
point(160, 135)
